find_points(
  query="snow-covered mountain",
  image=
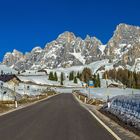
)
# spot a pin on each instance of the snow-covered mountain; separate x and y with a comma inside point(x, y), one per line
point(68, 50)
point(11, 58)
point(124, 46)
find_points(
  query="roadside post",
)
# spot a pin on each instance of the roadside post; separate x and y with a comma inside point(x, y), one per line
point(3, 95)
point(85, 100)
point(28, 88)
point(108, 102)
point(15, 97)
point(1, 86)
point(15, 94)
point(107, 90)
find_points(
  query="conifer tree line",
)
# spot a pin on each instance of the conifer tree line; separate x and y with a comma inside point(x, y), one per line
point(73, 77)
point(85, 76)
point(53, 76)
point(128, 78)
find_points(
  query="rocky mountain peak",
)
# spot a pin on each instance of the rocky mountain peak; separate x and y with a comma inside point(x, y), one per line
point(125, 44)
point(66, 36)
point(126, 34)
point(87, 37)
point(37, 49)
point(68, 50)
point(11, 58)
point(17, 53)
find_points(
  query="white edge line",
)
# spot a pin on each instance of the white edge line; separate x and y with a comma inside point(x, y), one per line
point(101, 122)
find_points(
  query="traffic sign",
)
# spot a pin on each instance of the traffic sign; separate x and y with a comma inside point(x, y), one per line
point(91, 84)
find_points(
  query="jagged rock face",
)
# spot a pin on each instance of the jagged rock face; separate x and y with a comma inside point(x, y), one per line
point(124, 46)
point(29, 60)
point(11, 58)
point(131, 56)
point(125, 38)
point(67, 50)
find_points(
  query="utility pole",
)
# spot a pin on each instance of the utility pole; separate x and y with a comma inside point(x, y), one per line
point(15, 96)
point(106, 80)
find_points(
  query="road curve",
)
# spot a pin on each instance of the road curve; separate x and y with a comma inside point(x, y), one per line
point(58, 118)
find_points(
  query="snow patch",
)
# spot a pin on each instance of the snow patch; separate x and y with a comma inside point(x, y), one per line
point(102, 48)
point(79, 57)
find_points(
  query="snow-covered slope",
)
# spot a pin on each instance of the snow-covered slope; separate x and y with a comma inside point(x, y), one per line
point(93, 66)
point(79, 57)
point(7, 70)
point(43, 80)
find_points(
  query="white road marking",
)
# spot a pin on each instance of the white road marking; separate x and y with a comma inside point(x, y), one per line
point(101, 122)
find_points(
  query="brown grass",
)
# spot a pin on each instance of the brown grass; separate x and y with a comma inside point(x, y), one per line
point(3, 108)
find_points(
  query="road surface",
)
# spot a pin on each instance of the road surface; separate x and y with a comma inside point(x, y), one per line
point(58, 118)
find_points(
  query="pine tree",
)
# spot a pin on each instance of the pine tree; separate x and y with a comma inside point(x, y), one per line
point(51, 76)
point(75, 79)
point(2, 72)
point(62, 78)
point(71, 76)
point(94, 80)
point(86, 75)
point(98, 81)
point(55, 76)
point(78, 75)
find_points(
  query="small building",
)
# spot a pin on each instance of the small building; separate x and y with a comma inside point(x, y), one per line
point(11, 79)
point(42, 70)
point(115, 85)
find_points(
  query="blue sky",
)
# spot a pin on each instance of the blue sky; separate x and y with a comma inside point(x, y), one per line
point(29, 23)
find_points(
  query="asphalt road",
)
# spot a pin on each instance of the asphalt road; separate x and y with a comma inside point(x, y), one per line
point(58, 118)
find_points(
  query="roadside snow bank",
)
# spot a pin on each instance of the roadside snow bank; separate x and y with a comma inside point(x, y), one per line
point(127, 109)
